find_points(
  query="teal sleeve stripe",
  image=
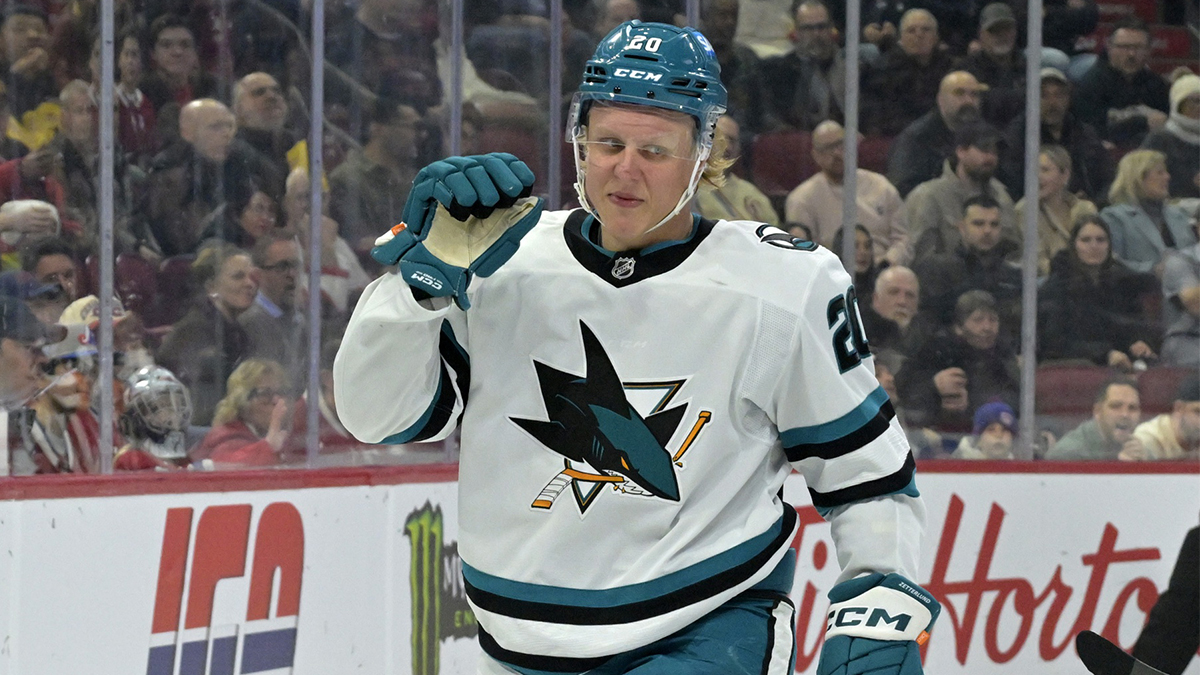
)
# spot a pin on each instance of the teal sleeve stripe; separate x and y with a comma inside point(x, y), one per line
point(625, 595)
point(839, 428)
point(909, 490)
point(419, 426)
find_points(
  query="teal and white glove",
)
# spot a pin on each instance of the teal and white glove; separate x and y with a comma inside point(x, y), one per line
point(465, 216)
point(876, 625)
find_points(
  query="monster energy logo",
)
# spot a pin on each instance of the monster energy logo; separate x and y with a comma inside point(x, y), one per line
point(439, 601)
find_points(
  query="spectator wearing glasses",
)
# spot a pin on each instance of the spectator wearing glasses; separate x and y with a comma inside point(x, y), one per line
point(1120, 96)
point(807, 85)
point(818, 200)
point(251, 425)
point(275, 328)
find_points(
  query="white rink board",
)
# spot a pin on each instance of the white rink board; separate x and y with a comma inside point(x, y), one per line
point(80, 576)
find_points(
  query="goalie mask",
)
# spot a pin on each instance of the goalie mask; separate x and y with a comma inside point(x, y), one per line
point(657, 65)
point(157, 413)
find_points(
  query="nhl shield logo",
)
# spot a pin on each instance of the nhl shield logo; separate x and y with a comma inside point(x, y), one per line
point(623, 268)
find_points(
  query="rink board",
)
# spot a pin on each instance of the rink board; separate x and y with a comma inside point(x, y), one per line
point(355, 571)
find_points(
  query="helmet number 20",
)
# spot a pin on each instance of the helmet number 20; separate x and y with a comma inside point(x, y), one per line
point(642, 42)
point(849, 339)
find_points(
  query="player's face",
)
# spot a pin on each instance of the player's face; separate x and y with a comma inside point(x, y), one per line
point(996, 441)
point(1118, 413)
point(637, 165)
point(980, 329)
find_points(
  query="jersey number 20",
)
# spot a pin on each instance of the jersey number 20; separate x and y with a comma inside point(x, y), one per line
point(849, 338)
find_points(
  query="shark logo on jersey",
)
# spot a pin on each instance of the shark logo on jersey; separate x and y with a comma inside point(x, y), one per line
point(604, 439)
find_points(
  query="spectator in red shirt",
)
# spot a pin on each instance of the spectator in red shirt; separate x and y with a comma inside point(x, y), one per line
point(251, 426)
point(136, 121)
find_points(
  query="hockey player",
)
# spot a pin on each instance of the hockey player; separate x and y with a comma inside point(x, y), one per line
point(634, 384)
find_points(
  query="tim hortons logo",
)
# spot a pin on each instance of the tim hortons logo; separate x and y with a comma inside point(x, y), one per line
point(188, 572)
point(1014, 601)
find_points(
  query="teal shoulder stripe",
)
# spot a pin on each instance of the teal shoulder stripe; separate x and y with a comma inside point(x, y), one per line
point(624, 595)
point(418, 426)
point(839, 428)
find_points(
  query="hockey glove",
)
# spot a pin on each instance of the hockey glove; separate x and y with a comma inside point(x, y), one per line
point(465, 216)
point(876, 625)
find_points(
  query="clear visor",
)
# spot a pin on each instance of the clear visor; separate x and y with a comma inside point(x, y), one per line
point(577, 131)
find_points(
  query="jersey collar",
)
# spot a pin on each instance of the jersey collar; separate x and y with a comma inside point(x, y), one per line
point(623, 268)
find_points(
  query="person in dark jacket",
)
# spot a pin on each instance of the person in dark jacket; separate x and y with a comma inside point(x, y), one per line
point(905, 84)
point(920, 150)
point(1172, 633)
point(205, 346)
point(1120, 95)
point(1092, 167)
point(960, 369)
point(1179, 139)
point(1090, 306)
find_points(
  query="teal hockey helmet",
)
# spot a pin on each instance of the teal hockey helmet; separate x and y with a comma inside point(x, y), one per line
point(654, 64)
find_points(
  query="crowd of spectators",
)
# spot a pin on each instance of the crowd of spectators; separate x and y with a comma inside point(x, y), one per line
point(212, 204)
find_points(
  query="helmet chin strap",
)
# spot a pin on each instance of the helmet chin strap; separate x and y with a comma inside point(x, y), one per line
point(693, 184)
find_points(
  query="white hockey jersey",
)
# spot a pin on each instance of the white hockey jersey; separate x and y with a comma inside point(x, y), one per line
point(627, 424)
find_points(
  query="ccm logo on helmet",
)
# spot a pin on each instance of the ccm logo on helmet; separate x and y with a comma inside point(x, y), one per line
point(637, 74)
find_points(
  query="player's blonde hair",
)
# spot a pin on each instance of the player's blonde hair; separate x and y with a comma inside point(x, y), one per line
point(718, 163)
point(244, 379)
point(1131, 172)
